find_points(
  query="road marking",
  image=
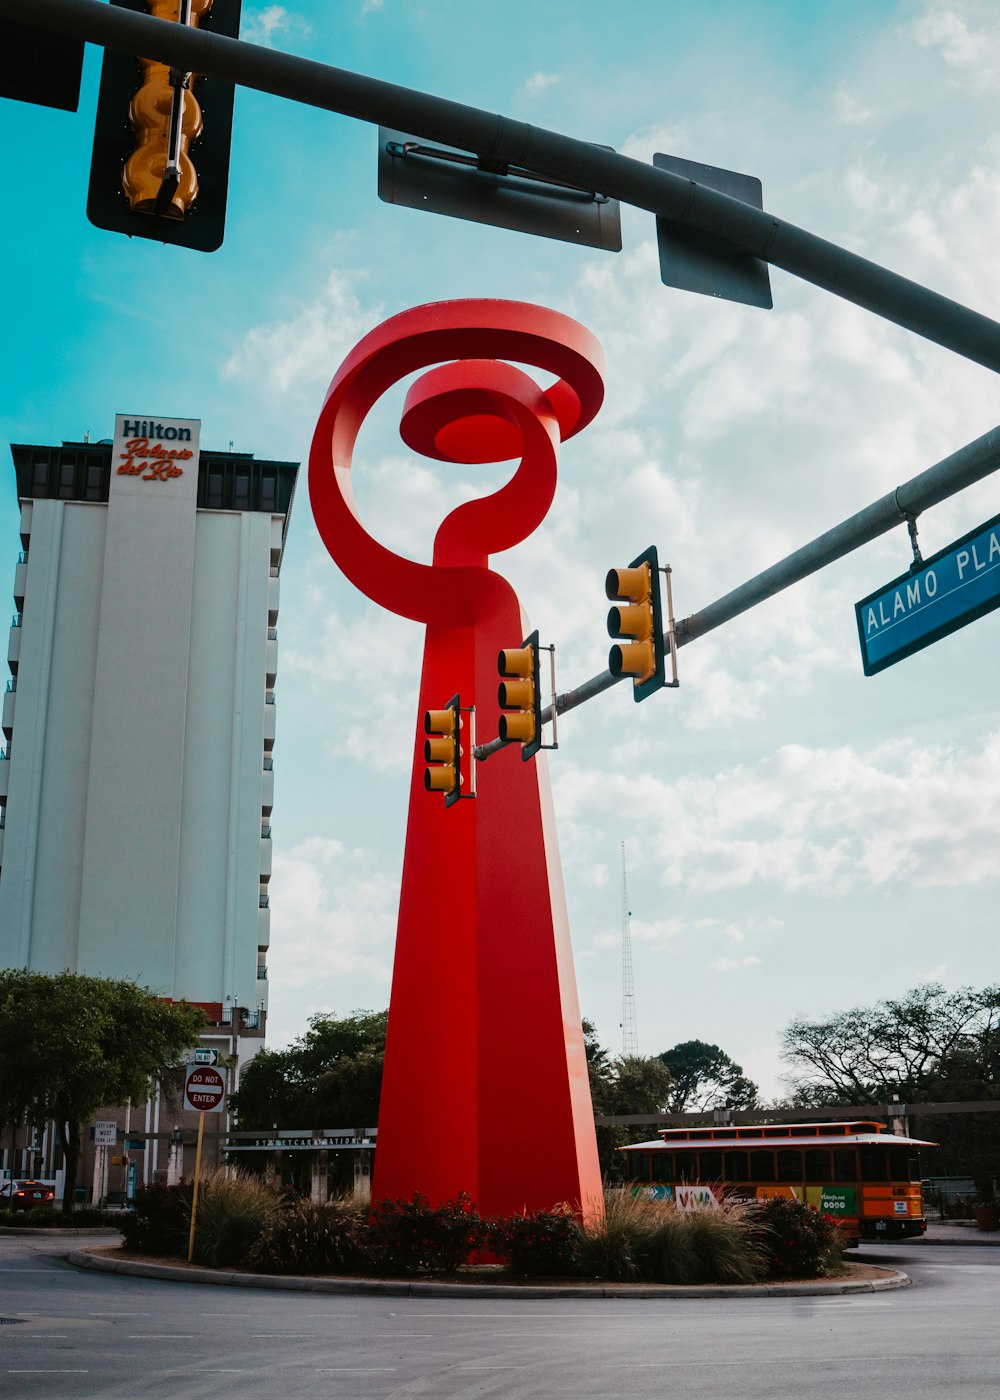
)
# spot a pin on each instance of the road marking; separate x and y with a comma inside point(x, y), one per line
point(704, 1364)
point(38, 1371)
point(288, 1336)
point(49, 1336)
point(218, 1371)
point(161, 1337)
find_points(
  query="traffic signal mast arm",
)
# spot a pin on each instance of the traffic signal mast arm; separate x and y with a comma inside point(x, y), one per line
point(547, 153)
point(952, 474)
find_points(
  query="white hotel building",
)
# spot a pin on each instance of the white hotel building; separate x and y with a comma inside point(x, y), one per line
point(136, 785)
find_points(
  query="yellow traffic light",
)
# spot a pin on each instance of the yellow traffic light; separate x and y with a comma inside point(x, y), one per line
point(443, 751)
point(149, 137)
point(638, 620)
point(520, 692)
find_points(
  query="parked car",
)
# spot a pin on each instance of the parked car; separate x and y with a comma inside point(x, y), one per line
point(24, 1192)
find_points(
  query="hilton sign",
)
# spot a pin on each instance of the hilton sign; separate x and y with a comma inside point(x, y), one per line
point(155, 449)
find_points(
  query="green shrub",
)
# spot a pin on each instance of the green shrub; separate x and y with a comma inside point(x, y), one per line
point(304, 1238)
point(86, 1217)
point(233, 1210)
point(34, 1217)
point(408, 1237)
point(542, 1243)
point(796, 1241)
point(47, 1217)
point(160, 1222)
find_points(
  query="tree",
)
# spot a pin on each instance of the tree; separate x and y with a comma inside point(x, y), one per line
point(330, 1077)
point(703, 1075)
point(618, 1086)
point(928, 1043)
point(71, 1044)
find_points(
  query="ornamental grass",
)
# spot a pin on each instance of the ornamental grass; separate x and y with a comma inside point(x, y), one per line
point(646, 1241)
point(233, 1210)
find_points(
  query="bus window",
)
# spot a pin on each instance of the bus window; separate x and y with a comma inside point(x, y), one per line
point(845, 1168)
point(873, 1164)
point(817, 1164)
point(902, 1167)
point(762, 1166)
point(663, 1166)
point(789, 1164)
point(738, 1166)
point(709, 1166)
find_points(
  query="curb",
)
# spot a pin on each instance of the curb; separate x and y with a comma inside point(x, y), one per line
point(172, 1273)
point(11, 1232)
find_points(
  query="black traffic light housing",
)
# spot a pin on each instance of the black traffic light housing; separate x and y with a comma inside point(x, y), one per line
point(443, 751)
point(639, 623)
point(521, 692)
point(40, 65)
point(115, 140)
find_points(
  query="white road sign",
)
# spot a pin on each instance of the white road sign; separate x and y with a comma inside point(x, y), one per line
point(204, 1089)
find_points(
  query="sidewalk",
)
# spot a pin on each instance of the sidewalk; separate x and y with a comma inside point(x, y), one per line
point(955, 1232)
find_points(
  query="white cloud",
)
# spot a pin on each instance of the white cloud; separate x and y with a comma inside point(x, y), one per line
point(823, 820)
point(333, 916)
point(732, 964)
point(263, 26)
point(847, 107)
point(969, 42)
point(538, 83)
point(296, 354)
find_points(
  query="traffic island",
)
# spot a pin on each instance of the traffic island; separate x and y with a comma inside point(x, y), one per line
point(856, 1278)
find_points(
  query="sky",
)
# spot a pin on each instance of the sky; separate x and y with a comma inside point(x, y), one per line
point(798, 838)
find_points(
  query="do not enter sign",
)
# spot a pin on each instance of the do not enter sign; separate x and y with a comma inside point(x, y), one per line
point(204, 1089)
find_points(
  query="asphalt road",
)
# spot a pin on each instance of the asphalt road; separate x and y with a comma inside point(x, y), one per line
point(88, 1334)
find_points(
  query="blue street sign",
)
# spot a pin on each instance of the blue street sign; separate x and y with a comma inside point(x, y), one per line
point(950, 589)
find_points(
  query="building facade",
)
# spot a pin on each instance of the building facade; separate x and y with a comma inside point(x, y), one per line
point(137, 783)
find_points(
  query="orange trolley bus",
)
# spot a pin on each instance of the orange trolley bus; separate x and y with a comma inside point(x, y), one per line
point(865, 1178)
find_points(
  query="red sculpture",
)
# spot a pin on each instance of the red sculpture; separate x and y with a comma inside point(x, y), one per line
point(485, 1087)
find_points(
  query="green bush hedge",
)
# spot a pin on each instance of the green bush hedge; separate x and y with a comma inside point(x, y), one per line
point(409, 1237)
point(160, 1222)
point(243, 1221)
point(797, 1242)
point(542, 1243)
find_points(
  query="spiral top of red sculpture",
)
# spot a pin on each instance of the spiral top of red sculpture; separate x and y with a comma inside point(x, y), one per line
point(473, 406)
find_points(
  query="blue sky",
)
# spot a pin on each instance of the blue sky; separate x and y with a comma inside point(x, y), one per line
point(799, 838)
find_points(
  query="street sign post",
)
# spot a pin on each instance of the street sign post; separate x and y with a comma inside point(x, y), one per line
point(955, 586)
point(204, 1092)
point(105, 1133)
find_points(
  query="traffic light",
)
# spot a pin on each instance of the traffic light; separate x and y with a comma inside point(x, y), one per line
point(443, 752)
point(638, 620)
point(160, 166)
point(521, 692)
